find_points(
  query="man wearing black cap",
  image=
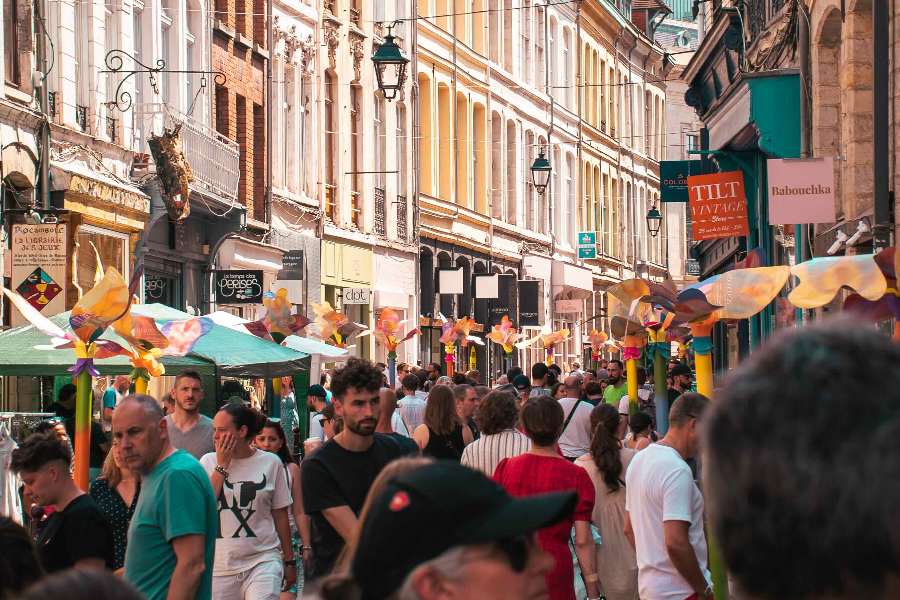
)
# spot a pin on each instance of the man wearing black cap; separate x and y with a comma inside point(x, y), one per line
point(315, 402)
point(523, 386)
point(681, 377)
point(336, 477)
point(446, 531)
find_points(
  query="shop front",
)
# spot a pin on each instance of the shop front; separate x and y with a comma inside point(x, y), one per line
point(347, 284)
point(395, 288)
point(244, 271)
point(573, 285)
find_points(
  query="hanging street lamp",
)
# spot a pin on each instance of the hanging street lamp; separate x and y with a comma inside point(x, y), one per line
point(390, 65)
point(654, 221)
point(540, 173)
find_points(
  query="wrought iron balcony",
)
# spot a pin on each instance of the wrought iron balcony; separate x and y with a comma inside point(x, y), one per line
point(214, 158)
point(401, 219)
point(380, 213)
point(81, 116)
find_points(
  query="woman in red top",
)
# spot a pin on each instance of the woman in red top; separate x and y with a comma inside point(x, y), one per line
point(541, 470)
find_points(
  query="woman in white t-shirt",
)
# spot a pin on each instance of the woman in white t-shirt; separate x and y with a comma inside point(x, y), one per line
point(254, 552)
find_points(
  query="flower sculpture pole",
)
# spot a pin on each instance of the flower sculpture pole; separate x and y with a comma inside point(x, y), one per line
point(549, 339)
point(506, 336)
point(597, 339)
point(336, 328)
point(460, 333)
point(386, 331)
point(278, 323)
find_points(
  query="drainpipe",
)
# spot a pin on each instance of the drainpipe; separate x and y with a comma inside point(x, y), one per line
point(801, 230)
point(45, 110)
point(549, 92)
point(455, 140)
point(416, 128)
point(270, 112)
point(615, 86)
point(580, 88)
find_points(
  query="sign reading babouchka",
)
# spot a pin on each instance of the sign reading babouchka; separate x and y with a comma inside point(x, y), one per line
point(801, 191)
point(718, 205)
point(39, 267)
point(239, 287)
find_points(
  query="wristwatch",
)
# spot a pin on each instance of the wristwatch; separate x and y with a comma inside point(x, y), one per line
point(291, 563)
point(222, 470)
point(708, 592)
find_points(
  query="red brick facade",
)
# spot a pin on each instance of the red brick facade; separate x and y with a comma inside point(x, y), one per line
point(240, 103)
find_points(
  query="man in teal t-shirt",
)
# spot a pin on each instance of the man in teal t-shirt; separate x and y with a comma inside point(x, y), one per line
point(617, 388)
point(172, 536)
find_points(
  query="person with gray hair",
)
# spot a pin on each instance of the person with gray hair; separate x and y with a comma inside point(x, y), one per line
point(466, 402)
point(444, 531)
point(803, 469)
point(172, 536)
point(664, 510)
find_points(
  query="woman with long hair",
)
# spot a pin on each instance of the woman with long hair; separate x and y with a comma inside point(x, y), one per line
point(116, 492)
point(606, 464)
point(272, 439)
point(540, 470)
point(443, 434)
point(254, 553)
point(289, 416)
point(642, 434)
point(558, 390)
point(394, 469)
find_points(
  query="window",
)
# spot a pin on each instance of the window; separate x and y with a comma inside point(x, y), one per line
point(401, 145)
point(511, 168)
point(497, 166)
point(567, 68)
point(82, 20)
point(539, 79)
point(525, 24)
point(528, 200)
point(111, 246)
point(188, 78)
point(554, 61)
point(380, 136)
point(355, 147)
point(289, 126)
point(305, 134)
point(138, 33)
point(110, 24)
point(569, 226)
point(11, 42)
point(165, 31)
point(542, 216)
point(330, 133)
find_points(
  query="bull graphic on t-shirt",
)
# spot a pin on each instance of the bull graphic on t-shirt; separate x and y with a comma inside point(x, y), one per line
point(242, 495)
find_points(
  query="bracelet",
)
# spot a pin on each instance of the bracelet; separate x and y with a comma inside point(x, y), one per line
point(291, 563)
point(593, 577)
point(222, 470)
point(306, 548)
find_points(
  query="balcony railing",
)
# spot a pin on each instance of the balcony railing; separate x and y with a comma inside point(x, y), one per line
point(214, 158)
point(380, 213)
point(51, 102)
point(81, 116)
point(329, 202)
point(402, 234)
point(111, 128)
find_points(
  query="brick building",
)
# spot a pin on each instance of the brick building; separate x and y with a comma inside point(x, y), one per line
point(239, 50)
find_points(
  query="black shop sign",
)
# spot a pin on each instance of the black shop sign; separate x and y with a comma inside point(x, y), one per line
point(501, 304)
point(239, 287)
point(529, 303)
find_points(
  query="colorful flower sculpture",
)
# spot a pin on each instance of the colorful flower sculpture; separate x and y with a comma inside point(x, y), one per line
point(507, 336)
point(549, 339)
point(387, 329)
point(453, 332)
point(888, 305)
point(597, 340)
point(279, 322)
point(336, 328)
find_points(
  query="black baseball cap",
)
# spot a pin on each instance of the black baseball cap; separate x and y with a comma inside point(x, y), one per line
point(681, 369)
point(316, 390)
point(521, 382)
point(435, 508)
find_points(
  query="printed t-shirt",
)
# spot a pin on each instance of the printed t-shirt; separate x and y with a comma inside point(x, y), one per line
point(659, 487)
point(78, 531)
point(255, 486)
point(196, 441)
point(333, 476)
point(176, 499)
point(612, 395)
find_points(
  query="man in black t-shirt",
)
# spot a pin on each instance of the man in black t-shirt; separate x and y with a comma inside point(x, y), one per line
point(76, 535)
point(681, 378)
point(336, 477)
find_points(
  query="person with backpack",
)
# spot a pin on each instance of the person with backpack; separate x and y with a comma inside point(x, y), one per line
point(575, 439)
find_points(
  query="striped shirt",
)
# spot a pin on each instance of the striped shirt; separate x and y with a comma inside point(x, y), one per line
point(485, 454)
point(413, 408)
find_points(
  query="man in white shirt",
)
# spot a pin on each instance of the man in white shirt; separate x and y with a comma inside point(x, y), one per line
point(664, 510)
point(412, 405)
point(315, 402)
point(575, 440)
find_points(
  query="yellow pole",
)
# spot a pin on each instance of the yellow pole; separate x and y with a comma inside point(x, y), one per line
point(631, 368)
point(703, 364)
point(141, 385)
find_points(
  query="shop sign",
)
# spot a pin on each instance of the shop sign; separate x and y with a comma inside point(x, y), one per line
point(568, 306)
point(155, 287)
point(355, 296)
point(693, 267)
point(487, 287)
point(801, 191)
point(529, 303)
point(587, 252)
point(291, 266)
point(718, 206)
point(38, 269)
point(587, 238)
point(239, 287)
point(673, 174)
point(500, 305)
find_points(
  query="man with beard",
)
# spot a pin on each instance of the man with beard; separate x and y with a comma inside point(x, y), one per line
point(336, 478)
point(616, 390)
point(316, 403)
point(188, 429)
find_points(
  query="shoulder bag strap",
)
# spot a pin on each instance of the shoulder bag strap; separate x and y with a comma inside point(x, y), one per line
point(569, 418)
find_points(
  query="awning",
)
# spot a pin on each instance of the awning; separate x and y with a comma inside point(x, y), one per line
point(81, 179)
point(244, 254)
point(571, 281)
point(537, 266)
point(301, 344)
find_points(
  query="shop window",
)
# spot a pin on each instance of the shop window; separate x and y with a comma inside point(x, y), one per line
point(163, 289)
point(112, 249)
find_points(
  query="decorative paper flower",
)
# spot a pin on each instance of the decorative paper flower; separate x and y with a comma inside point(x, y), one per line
point(505, 335)
point(548, 338)
point(822, 278)
point(597, 339)
point(279, 322)
point(334, 327)
point(888, 305)
point(459, 332)
point(388, 328)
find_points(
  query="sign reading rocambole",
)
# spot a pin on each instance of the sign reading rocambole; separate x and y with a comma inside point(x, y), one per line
point(239, 287)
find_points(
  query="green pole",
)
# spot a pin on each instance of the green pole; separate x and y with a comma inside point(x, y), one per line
point(717, 567)
point(83, 429)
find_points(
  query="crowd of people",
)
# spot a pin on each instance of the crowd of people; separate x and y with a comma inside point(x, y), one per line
point(548, 486)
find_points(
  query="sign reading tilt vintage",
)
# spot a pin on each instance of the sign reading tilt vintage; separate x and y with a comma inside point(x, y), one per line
point(718, 205)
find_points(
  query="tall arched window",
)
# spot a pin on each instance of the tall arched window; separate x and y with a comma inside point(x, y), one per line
point(512, 169)
point(426, 141)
